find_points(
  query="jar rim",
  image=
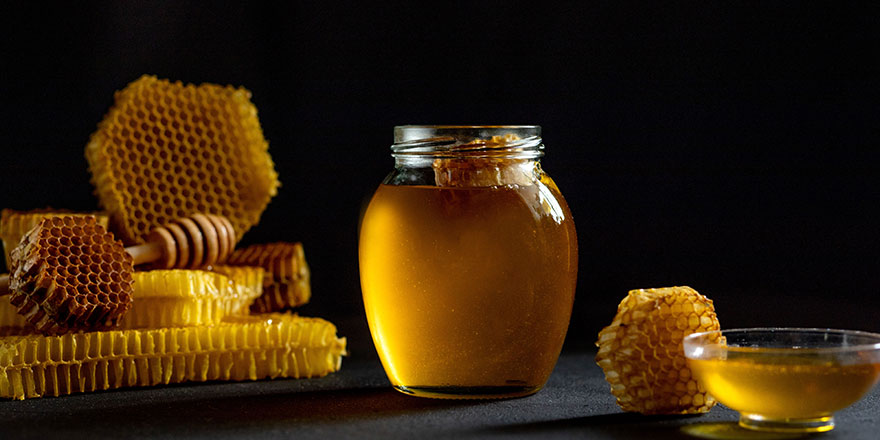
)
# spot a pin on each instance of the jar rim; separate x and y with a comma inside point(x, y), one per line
point(515, 141)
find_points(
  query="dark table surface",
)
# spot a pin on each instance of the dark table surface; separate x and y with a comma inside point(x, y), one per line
point(358, 402)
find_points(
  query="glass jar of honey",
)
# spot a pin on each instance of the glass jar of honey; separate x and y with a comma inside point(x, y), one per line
point(468, 263)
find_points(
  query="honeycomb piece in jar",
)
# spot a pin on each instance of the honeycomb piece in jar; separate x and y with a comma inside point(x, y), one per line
point(287, 281)
point(14, 224)
point(483, 171)
point(167, 150)
point(642, 355)
point(243, 348)
point(182, 297)
point(69, 274)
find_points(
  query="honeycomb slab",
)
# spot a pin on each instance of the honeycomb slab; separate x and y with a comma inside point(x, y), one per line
point(167, 150)
point(246, 348)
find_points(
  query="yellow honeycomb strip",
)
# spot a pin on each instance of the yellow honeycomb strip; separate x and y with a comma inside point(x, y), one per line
point(250, 348)
point(14, 224)
point(178, 297)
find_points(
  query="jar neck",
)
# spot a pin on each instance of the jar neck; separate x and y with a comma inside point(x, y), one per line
point(413, 143)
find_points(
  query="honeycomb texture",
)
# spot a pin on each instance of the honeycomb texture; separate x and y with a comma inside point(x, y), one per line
point(69, 273)
point(641, 351)
point(167, 150)
point(286, 284)
point(14, 224)
point(483, 171)
point(178, 297)
point(250, 348)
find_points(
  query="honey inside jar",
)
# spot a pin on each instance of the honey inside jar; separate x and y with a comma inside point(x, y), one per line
point(468, 284)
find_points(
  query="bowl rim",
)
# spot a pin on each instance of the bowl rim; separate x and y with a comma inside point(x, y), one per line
point(788, 350)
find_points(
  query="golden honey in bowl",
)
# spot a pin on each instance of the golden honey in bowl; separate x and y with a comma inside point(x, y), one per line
point(787, 379)
point(782, 387)
point(468, 280)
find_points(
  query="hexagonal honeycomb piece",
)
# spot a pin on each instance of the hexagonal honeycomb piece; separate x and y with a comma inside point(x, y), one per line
point(167, 150)
point(69, 274)
point(14, 224)
point(286, 284)
point(641, 351)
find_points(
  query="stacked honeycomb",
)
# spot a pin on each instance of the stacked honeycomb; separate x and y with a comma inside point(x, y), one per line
point(286, 284)
point(641, 351)
point(14, 224)
point(70, 273)
point(183, 171)
point(166, 150)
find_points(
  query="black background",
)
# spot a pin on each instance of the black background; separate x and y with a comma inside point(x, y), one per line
point(730, 148)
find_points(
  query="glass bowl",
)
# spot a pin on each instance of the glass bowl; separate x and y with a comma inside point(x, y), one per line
point(785, 379)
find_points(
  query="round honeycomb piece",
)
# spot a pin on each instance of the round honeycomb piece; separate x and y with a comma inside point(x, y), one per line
point(286, 283)
point(167, 150)
point(70, 274)
point(641, 351)
point(14, 224)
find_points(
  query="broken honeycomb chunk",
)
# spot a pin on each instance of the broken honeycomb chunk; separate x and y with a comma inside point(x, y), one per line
point(167, 150)
point(483, 171)
point(245, 348)
point(69, 273)
point(179, 297)
point(286, 284)
point(641, 351)
point(14, 224)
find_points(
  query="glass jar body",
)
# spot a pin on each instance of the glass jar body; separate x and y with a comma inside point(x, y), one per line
point(468, 270)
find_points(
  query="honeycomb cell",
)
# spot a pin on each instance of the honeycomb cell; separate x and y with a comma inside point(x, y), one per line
point(61, 293)
point(204, 128)
point(287, 281)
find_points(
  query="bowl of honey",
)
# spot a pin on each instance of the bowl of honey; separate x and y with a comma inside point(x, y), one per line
point(785, 379)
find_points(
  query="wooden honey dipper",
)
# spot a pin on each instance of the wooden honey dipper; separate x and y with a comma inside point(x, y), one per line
point(193, 242)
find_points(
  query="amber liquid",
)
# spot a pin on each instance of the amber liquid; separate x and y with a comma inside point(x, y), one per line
point(785, 387)
point(468, 291)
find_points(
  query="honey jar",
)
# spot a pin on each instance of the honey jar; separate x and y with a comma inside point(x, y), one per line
point(468, 263)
